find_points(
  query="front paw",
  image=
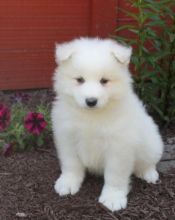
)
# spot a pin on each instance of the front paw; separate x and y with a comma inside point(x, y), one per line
point(113, 199)
point(67, 184)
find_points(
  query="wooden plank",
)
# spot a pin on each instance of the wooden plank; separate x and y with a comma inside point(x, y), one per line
point(28, 32)
point(103, 19)
point(27, 70)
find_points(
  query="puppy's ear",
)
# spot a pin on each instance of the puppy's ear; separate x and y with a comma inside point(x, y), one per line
point(63, 52)
point(121, 52)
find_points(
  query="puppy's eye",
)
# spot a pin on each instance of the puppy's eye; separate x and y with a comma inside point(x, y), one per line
point(104, 81)
point(80, 80)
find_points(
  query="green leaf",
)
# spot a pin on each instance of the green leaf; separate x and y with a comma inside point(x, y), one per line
point(136, 31)
point(40, 141)
point(130, 14)
point(125, 27)
point(172, 37)
point(152, 7)
point(155, 23)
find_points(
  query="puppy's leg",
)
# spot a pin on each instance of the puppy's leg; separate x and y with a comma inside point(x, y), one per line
point(116, 187)
point(148, 156)
point(72, 169)
point(146, 171)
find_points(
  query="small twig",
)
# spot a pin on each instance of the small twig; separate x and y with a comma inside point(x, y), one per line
point(109, 212)
point(21, 215)
point(44, 150)
point(5, 174)
point(82, 206)
point(170, 159)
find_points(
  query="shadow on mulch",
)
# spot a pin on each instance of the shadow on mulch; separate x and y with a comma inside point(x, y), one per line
point(26, 192)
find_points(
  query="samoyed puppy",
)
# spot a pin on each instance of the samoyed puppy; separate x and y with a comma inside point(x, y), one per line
point(99, 124)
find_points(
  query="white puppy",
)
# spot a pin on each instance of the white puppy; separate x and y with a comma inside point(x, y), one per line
point(99, 124)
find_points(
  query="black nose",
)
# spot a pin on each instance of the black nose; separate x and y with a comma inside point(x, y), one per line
point(91, 102)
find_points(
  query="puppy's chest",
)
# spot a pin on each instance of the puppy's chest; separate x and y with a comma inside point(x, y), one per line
point(91, 146)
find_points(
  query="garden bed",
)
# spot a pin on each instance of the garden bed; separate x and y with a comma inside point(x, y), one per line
point(27, 179)
point(26, 189)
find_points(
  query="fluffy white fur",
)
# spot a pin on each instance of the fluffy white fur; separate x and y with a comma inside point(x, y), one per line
point(116, 137)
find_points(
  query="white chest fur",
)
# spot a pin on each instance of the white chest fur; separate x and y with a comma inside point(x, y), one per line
point(91, 149)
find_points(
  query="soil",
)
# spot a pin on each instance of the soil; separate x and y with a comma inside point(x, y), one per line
point(27, 192)
point(27, 189)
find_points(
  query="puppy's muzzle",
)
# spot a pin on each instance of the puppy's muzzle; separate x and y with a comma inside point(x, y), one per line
point(91, 102)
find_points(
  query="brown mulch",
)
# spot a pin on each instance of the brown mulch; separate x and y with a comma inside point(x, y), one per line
point(26, 192)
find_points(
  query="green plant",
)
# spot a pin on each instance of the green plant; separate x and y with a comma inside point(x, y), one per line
point(22, 128)
point(154, 54)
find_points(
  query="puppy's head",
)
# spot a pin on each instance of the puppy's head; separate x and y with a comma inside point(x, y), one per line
point(92, 73)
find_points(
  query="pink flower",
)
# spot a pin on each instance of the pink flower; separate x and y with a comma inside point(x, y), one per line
point(4, 117)
point(35, 123)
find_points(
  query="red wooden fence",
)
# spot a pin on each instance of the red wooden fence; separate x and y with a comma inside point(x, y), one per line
point(29, 30)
